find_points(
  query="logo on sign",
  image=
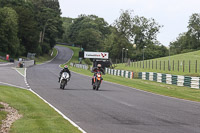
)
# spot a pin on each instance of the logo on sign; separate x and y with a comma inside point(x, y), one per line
point(103, 55)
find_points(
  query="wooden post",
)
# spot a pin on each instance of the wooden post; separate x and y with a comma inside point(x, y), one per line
point(156, 64)
point(149, 64)
point(183, 65)
point(160, 65)
point(189, 66)
point(173, 65)
point(178, 65)
point(196, 67)
point(152, 64)
point(164, 65)
point(146, 63)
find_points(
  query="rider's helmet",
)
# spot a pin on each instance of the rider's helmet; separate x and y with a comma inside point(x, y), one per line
point(99, 66)
point(65, 67)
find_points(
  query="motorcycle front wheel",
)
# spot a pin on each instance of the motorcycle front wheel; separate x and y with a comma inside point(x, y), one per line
point(62, 84)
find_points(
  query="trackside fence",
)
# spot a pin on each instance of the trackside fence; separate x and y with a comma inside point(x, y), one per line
point(179, 80)
point(82, 66)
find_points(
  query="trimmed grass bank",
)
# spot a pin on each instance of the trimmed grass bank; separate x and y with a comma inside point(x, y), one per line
point(154, 87)
point(38, 117)
point(46, 57)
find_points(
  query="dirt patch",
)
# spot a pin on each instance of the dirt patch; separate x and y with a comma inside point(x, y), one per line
point(12, 116)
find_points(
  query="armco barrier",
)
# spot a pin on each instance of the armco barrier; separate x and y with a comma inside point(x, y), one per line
point(25, 63)
point(192, 82)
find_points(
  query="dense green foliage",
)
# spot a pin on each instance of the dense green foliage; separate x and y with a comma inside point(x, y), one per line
point(29, 26)
point(131, 33)
point(88, 32)
point(190, 40)
point(8, 31)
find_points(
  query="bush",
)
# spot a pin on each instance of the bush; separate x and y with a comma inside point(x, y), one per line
point(88, 62)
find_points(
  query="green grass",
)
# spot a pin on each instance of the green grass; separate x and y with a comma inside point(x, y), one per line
point(2, 114)
point(46, 57)
point(3, 60)
point(182, 58)
point(38, 117)
point(75, 57)
point(150, 86)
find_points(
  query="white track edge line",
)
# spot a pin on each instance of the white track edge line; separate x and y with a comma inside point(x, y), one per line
point(18, 71)
point(13, 85)
point(65, 117)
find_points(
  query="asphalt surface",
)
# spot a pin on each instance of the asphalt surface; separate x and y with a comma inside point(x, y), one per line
point(9, 76)
point(115, 108)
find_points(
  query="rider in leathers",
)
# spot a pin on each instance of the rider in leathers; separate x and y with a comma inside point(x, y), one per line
point(65, 69)
point(96, 69)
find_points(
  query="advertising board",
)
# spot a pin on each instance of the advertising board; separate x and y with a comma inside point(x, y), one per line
point(96, 55)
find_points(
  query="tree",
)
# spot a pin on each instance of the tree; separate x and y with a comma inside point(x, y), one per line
point(115, 42)
point(194, 29)
point(89, 39)
point(67, 22)
point(8, 31)
point(138, 30)
point(88, 31)
point(28, 30)
point(49, 22)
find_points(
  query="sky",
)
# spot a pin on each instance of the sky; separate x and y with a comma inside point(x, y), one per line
point(172, 14)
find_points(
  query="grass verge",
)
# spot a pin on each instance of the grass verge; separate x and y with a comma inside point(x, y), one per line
point(178, 64)
point(46, 57)
point(2, 114)
point(150, 86)
point(38, 117)
point(3, 60)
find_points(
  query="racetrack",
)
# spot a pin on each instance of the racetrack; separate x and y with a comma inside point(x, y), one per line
point(115, 108)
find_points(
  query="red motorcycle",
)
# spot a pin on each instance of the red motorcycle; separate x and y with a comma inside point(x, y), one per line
point(97, 80)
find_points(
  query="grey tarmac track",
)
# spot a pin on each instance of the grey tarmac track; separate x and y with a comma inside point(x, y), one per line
point(9, 76)
point(115, 108)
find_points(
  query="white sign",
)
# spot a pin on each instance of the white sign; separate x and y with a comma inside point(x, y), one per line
point(96, 55)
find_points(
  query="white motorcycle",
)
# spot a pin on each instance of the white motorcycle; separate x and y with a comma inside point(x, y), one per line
point(64, 79)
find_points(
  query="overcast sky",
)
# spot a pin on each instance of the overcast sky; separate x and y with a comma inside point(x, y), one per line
point(172, 14)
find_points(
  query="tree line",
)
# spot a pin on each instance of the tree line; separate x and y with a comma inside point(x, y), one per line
point(136, 34)
point(189, 40)
point(129, 32)
point(29, 26)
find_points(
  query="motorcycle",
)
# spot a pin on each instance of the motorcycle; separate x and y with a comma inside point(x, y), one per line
point(63, 80)
point(97, 81)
